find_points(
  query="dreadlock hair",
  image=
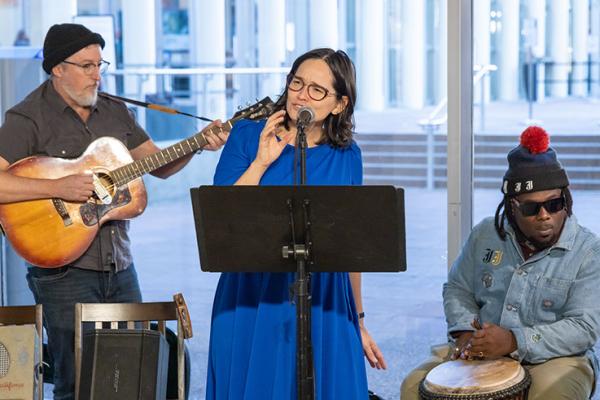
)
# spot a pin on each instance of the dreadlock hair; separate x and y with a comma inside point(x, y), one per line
point(505, 205)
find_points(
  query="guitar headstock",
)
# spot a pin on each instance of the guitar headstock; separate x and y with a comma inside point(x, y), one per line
point(256, 111)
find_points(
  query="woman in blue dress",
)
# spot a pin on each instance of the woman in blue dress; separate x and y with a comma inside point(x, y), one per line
point(253, 331)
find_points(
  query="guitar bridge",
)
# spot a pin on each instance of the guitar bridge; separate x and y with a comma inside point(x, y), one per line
point(62, 211)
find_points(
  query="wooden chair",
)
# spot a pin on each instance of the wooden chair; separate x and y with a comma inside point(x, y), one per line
point(134, 314)
point(23, 315)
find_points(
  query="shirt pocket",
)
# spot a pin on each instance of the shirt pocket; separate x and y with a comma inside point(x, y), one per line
point(67, 148)
point(549, 297)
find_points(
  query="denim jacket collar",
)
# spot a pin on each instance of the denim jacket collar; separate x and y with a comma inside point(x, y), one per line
point(566, 240)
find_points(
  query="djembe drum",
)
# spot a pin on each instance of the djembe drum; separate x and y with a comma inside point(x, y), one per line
point(500, 379)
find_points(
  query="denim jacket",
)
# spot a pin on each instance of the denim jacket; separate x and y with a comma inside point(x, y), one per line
point(550, 302)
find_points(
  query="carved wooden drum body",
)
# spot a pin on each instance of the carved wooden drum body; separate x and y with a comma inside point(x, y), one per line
point(501, 379)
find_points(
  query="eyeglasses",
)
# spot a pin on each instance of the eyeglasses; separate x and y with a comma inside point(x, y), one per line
point(530, 209)
point(89, 68)
point(315, 92)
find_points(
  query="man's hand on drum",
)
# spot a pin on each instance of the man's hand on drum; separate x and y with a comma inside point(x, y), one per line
point(462, 343)
point(491, 341)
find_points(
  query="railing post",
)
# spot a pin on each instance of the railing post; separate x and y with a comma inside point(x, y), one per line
point(589, 75)
point(430, 131)
point(482, 102)
point(205, 79)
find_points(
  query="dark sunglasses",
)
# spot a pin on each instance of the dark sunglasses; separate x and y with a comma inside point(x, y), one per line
point(530, 209)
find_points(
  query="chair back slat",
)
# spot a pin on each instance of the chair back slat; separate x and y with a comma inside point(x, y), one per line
point(128, 311)
point(17, 315)
point(161, 327)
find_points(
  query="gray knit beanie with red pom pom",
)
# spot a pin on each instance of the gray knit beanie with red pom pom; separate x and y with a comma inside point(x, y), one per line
point(533, 166)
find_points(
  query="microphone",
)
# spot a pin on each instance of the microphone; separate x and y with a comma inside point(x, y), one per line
point(305, 117)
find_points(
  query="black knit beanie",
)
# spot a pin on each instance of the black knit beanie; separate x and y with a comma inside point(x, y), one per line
point(63, 40)
point(533, 166)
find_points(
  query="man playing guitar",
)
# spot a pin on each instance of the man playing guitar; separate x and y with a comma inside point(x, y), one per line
point(60, 119)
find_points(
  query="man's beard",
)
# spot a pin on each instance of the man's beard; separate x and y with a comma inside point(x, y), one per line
point(82, 100)
point(539, 245)
point(545, 244)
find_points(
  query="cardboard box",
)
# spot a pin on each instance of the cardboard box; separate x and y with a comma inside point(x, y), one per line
point(19, 358)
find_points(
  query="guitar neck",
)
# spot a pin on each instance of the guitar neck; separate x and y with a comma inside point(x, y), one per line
point(138, 168)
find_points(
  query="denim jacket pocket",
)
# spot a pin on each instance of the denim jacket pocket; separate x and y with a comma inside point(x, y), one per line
point(549, 297)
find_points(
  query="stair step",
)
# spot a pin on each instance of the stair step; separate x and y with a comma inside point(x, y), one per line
point(401, 159)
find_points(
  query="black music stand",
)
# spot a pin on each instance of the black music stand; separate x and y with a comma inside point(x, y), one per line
point(289, 228)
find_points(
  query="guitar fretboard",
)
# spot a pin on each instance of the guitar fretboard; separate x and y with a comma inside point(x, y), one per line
point(136, 169)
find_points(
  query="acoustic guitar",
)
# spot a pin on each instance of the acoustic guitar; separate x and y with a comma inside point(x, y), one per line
point(50, 233)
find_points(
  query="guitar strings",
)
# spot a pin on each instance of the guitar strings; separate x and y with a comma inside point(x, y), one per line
point(112, 185)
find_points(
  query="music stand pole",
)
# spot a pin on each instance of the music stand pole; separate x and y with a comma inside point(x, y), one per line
point(304, 356)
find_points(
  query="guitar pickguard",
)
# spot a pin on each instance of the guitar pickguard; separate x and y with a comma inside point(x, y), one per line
point(91, 212)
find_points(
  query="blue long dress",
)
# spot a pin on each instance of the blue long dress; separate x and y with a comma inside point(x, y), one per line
point(253, 330)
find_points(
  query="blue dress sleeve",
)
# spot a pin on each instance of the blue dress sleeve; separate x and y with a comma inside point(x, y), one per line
point(356, 165)
point(238, 153)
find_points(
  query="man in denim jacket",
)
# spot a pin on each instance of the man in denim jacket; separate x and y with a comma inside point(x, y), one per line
point(530, 275)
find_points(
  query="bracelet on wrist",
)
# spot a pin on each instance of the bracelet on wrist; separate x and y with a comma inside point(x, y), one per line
point(361, 315)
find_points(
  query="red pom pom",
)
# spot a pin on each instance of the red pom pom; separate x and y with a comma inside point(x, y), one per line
point(535, 139)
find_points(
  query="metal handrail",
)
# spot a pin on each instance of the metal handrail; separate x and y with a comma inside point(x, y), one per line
point(433, 119)
point(432, 123)
point(199, 71)
point(482, 71)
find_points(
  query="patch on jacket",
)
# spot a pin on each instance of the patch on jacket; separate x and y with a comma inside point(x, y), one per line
point(493, 257)
point(487, 280)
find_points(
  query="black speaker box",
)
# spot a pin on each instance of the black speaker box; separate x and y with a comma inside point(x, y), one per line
point(124, 364)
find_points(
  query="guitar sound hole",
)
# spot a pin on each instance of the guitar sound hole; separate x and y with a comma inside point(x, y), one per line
point(106, 181)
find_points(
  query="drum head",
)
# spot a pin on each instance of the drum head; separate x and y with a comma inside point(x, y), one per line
point(475, 377)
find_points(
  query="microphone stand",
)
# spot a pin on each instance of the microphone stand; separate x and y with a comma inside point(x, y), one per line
point(301, 252)
point(303, 144)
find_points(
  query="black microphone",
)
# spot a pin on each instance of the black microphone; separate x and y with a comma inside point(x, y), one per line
point(305, 117)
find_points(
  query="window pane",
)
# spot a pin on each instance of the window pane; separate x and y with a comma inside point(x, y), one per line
point(546, 54)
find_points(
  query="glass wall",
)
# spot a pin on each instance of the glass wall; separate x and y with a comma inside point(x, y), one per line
point(208, 57)
point(12, 32)
point(547, 59)
point(546, 53)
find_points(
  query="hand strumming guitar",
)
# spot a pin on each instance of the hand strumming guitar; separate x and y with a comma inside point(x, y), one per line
point(74, 188)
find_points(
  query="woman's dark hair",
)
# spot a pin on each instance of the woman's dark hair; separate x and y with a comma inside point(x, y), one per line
point(506, 205)
point(338, 128)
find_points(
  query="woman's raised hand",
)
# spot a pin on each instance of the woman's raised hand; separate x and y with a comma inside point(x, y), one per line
point(269, 146)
